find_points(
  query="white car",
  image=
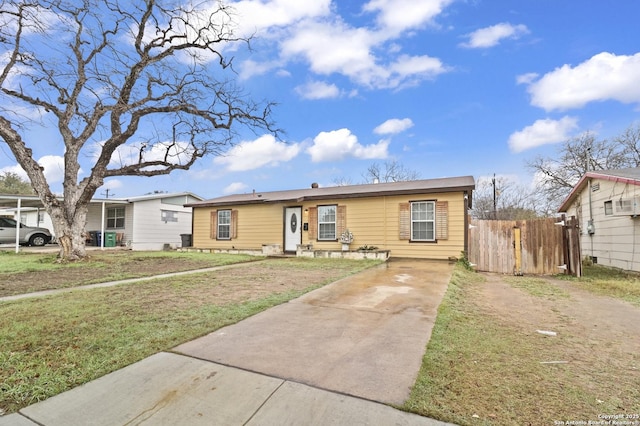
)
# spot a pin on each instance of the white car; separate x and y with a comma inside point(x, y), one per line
point(29, 235)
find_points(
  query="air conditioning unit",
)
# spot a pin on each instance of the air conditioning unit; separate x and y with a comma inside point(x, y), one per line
point(626, 206)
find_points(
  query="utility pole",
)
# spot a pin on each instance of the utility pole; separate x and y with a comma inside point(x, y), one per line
point(106, 193)
point(495, 211)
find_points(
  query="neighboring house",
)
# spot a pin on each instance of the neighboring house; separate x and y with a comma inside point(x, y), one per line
point(607, 205)
point(148, 222)
point(419, 219)
point(33, 216)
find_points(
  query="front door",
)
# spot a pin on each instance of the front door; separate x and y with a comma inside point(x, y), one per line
point(292, 228)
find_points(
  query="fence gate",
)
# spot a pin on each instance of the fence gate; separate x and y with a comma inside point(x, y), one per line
point(539, 246)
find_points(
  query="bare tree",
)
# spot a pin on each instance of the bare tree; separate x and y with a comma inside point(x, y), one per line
point(389, 171)
point(142, 88)
point(557, 175)
point(342, 181)
point(503, 199)
point(629, 140)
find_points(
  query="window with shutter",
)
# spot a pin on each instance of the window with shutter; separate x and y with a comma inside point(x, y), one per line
point(341, 220)
point(224, 225)
point(313, 223)
point(327, 216)
point(405, 222)
point(442, 220)
point(234, 224)
point(214, 224)
point(423, 221)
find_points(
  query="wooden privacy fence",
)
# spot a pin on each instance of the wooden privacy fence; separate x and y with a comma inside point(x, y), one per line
point(540, 246)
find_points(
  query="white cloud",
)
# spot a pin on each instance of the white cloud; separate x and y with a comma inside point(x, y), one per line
point(318, 90)
point(337, 145)
point(234, 188)
point(407, 68)
point(605, 76)
point(250, 68)
point(331, 48)
point(527, 78)
point(542, 132)
point(491, 36)
point(397, 16)
point(368, 55)
point(53, 169)
point(259, 16)
point(393, 126)
point(339, 49)
point(264, 151)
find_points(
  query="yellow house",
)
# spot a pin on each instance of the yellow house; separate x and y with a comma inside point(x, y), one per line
point(420, 219)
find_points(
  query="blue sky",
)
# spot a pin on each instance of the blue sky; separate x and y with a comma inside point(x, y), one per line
point(444, 87)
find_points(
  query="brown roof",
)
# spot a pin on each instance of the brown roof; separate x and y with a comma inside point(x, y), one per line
point(427, 186)
point(630, 175)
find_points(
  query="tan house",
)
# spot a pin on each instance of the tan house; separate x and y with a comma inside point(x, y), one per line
point(607, 205)
point(420, 219)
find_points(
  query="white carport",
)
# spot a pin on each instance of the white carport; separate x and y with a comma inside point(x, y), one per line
point(15, 203)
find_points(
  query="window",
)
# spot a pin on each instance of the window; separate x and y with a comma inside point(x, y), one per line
point(608, 208)
point(423, 221)
point(327, 222)
point(168, 216)
point(7, 223)
point(115, 217)
point(224, 224)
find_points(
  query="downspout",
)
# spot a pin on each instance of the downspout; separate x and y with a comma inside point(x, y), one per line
point(466, 223)
point(590, 227)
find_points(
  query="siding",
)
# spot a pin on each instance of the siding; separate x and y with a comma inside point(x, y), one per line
point(257, 225)
point(31, 217)
point(149, 231)
point(616, 238)
point(374, 221)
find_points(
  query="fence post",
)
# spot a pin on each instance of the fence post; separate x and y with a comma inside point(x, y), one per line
point(576, 256)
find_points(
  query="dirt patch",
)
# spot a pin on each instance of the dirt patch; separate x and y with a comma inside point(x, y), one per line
point(596, 345)
point(238, 284)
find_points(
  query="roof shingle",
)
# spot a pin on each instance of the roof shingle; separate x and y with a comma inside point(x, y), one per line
point(426, 186)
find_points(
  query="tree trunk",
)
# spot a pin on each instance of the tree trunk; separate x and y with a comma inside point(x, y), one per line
point(70, 231)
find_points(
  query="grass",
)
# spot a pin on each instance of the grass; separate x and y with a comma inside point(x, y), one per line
point(11, 263)
point(611, 282)
point(479, 369)
point(25, 273)
point(538, 287)
point(49, 345)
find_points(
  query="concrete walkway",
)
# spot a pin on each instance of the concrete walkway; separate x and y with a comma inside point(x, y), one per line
point(334, 356)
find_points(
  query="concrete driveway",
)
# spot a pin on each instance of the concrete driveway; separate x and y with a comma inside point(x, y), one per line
point(363, 336)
